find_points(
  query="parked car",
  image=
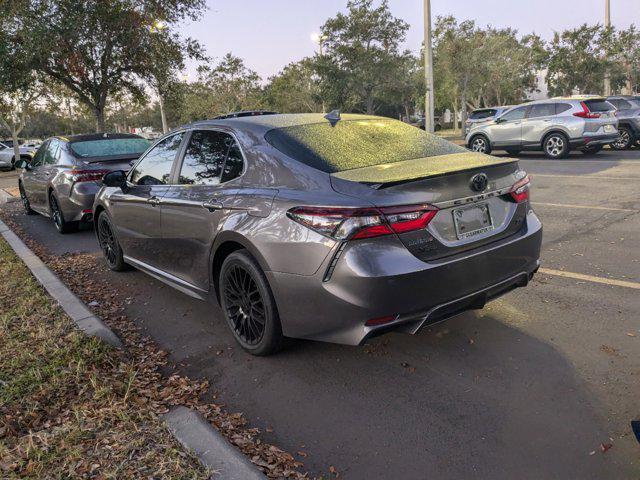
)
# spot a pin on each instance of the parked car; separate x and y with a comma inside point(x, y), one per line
point(335, 228)
point(438, 123)
point(8, 156)
point(63, 177)
point(555, 126)
point(482, 115)
point(628, 114)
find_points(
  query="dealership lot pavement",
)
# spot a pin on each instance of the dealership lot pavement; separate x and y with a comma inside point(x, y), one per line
point(527, 388)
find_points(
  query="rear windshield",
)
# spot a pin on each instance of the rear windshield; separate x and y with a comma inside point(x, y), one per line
point(599, 105)
point(357, 144)
point(479, 114)
point(109, 147)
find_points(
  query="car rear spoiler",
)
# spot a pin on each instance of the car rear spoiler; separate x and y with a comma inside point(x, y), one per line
point(389, 174)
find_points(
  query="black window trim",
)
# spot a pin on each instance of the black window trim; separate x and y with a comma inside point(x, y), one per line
point(175, 176)
point(151, 147)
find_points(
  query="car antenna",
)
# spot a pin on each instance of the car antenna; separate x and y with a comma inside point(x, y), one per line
point(334, 117)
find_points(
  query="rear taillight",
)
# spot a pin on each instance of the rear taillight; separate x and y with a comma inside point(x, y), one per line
point(520, 190)
point(358, 223)
point(87, 175)
point(585, 113)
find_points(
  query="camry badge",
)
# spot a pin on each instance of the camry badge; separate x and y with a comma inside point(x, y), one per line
point(479, 182)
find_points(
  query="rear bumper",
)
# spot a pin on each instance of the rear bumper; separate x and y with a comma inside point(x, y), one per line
point(78, 205)
point(383, 279)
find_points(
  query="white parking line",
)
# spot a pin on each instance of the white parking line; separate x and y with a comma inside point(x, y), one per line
point(590, 207)
point(588, 177)
point(590, 278)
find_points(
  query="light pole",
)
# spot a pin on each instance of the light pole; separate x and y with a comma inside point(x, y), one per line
point(607, 24)
point(319, 39)
point(428, 68)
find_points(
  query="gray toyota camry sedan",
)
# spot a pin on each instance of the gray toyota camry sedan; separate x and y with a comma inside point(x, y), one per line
point(333, 228)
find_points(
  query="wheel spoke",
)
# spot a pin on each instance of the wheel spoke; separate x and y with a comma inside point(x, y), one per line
point(244, 305)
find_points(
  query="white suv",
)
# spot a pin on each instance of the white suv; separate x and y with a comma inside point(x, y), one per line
point(555, 126)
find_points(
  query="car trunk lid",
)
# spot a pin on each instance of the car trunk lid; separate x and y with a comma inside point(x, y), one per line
point(484, 212)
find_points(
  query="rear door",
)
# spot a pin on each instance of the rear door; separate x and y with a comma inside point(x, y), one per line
point(136, 212)
point(507, 132)
point(192, 210)
point(538, 120)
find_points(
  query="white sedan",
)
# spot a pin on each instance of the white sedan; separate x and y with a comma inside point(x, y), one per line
point(7, 155)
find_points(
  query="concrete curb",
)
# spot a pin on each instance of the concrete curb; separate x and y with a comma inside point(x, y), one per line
point(72, 305)
point(6, 197)
point(186, 425)
point(212, 449)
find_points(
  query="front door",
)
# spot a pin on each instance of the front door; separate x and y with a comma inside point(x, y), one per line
point(136, 211)
point(193, 210)
point(507, 132)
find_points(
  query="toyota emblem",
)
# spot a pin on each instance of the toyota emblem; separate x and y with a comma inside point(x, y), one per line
point(479, 182)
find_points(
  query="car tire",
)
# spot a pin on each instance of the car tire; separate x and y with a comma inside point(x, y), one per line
point(591, 150)
point(108, 241)
point(625, 141)
point(58, 217)
point(248, 305)
point(25, 201)
point(480, 144)
point(556, 145)
point(513, 152)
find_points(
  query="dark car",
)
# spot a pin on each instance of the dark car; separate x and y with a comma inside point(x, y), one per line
point(66, 172)
point(335, 228)
point(628, 114)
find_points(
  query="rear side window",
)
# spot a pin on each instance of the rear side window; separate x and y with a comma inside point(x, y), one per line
point(354, 144)
point(480, 114)
point(155, 167)
point(599, 105)
point(205, 160)
point(562, 107)
point(542, 110)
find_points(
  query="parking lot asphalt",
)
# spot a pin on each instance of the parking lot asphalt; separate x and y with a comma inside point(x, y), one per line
point(534, 386)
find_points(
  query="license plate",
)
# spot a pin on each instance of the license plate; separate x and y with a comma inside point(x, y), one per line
point(610, 129)
point(472, 221)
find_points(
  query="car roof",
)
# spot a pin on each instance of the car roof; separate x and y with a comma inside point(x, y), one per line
point(87, 137)
point(265, 123)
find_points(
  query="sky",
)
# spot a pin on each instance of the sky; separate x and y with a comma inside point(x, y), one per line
point(268, 34)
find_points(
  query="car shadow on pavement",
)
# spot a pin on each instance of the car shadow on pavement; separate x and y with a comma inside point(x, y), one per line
point(469, 396)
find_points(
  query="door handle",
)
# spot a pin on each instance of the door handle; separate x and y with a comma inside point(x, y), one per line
point(155, 201)
point(212, 206)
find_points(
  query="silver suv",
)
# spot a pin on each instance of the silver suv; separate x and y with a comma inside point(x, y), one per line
point(555, 126)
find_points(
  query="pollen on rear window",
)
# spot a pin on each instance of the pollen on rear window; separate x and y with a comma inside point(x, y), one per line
point(354, 144)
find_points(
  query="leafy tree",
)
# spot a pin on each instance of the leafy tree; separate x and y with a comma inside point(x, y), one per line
point(361, 55)
point(576, 61)
point(294, 90)
point(96, 48)
point(623, 49)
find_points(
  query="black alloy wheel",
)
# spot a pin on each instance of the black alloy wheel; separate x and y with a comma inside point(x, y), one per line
point(58, 217)
point(248, 305)
point(25, 201)
point(109, 244)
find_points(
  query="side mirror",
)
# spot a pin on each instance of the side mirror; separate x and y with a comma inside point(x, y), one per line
point(22, 163)
point(117, 178)
point(499, 120)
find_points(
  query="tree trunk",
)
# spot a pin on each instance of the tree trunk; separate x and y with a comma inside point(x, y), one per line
point(16, 146)
point(370, 109)
point(163, 116)
point(99, 113)
point(455, 117)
